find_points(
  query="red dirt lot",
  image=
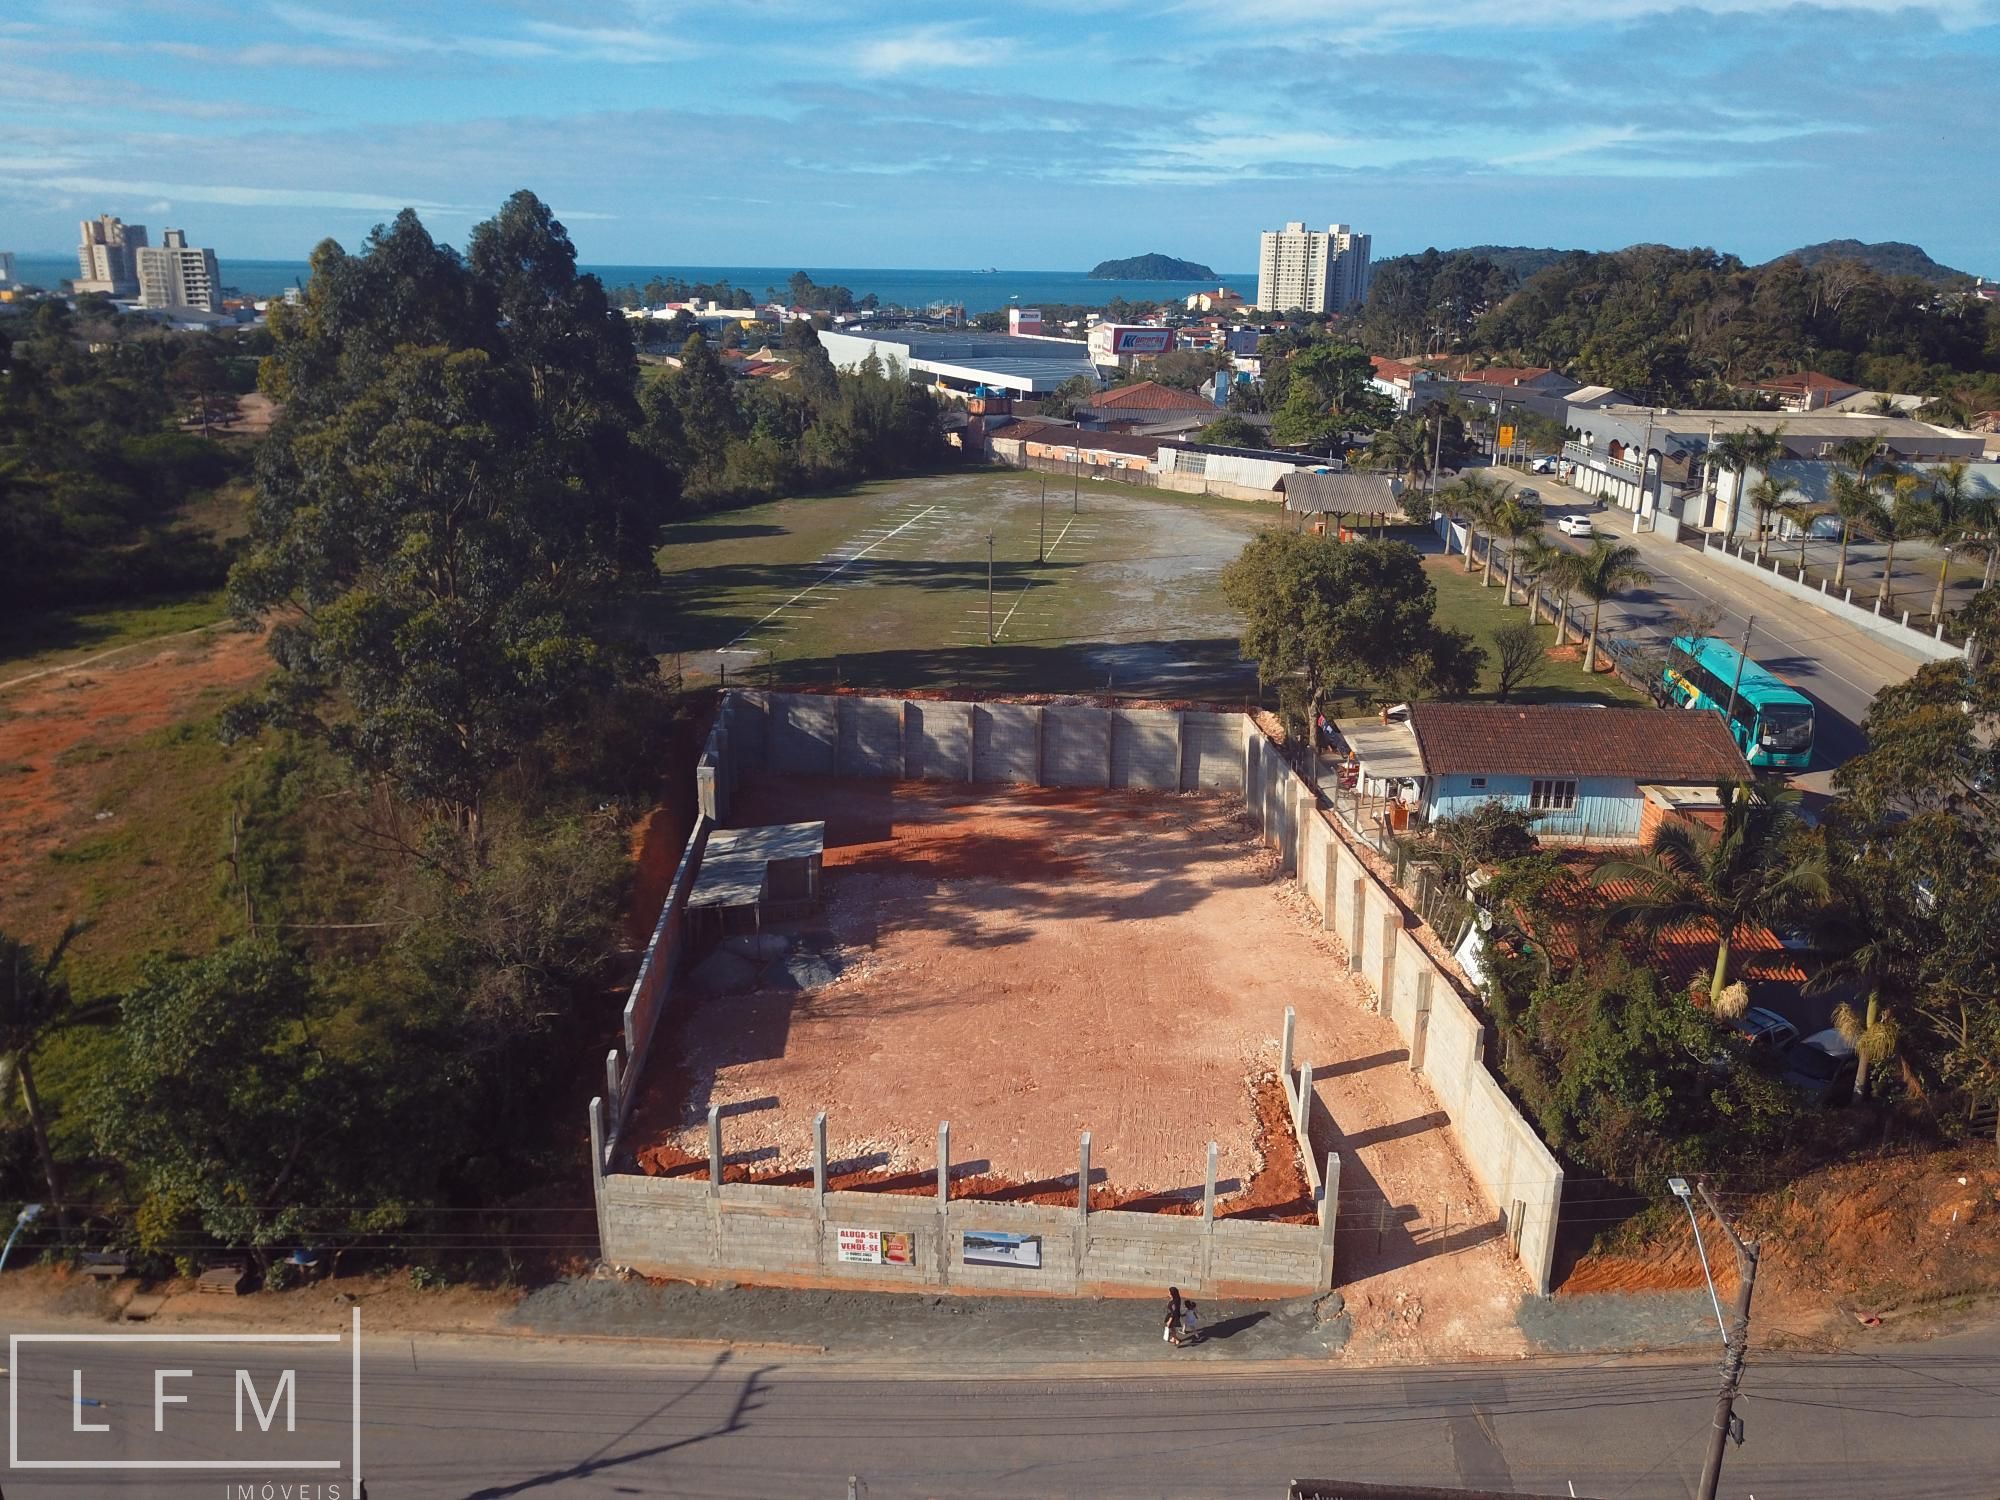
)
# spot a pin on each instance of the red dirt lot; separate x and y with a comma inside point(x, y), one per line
point(53, 728)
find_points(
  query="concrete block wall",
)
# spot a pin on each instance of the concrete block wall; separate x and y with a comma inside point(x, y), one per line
point(1212, 751)
point(678, 1226)
point(1076, 746)
point(805, 734)
point(1146, 749)
point(1007, 743)
point(937, 741)
point(1437, 1021)
point(871, 737)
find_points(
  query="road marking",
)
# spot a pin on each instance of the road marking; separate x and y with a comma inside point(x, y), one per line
point(834, 572)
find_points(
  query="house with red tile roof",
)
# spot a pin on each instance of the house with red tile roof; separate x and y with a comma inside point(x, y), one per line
point(1803, 390)
point(1146, 406)
point(1583, 771)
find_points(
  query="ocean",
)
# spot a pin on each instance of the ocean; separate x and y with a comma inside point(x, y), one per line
point(980, 291)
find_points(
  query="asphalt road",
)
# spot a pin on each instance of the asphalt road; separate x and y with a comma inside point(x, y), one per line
point(1838, 665)
point(476, 1418)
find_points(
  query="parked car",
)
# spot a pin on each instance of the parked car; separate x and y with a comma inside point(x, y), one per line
point(1544, 465)
point(1822, 1067)
point(1766, 1031)
point(1574, 525)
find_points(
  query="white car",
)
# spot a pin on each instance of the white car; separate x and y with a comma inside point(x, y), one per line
point(1542, 466)
point(1574, 525)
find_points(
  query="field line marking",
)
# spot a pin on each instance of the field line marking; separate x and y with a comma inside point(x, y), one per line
point(845, 565)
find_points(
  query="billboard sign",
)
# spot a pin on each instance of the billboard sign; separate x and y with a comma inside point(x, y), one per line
point(875, 1247)
point(1507, 438)
point(987, 1247)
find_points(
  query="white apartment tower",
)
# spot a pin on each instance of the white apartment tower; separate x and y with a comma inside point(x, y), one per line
point(1301, 267)
point(105, 256)
point(176, 274)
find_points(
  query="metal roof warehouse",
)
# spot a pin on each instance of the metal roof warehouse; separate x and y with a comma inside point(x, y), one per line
point(964, 361)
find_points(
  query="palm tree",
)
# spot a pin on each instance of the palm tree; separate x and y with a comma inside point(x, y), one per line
point(1952, 520)
point(1748, 448)
point(1476, 496)
point(1600, 573)
point(1746, 874)
point(1514, 520)
point(1856, 497)
point(1767, 495)
point(1802, 511)
point(34, 1005)
point(1539, 557)
point(1901, 516)
point(1877, 945)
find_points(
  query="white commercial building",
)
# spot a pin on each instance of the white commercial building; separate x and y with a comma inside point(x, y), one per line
point(176, 275)
point(106, 256)
point(1305, 268)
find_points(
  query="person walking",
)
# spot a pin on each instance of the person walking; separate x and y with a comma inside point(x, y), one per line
point(1171, 1330)
point(1190, 1322)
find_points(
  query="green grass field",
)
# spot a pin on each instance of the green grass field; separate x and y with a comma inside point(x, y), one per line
point(1480, 612)
point(887, 587)
point(59, 636)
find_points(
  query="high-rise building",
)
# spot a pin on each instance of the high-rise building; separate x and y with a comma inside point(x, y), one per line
point(1303, 268)
point(176, 274)
point(105, 257)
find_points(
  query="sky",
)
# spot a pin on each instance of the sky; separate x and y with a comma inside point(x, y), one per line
point(1039, 134)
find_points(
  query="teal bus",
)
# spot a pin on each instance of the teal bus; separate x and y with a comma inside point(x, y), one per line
point(1772, 721)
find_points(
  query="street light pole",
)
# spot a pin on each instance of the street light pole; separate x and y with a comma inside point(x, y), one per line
point(1735, 1348)
point(22, 1220)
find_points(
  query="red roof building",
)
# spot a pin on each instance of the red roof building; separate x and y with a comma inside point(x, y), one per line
point(1149, 396)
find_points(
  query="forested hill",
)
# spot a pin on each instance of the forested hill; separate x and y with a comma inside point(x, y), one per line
point(1885, 257)
point(1687, 325)
point(1152, 266)
point(1518, 261)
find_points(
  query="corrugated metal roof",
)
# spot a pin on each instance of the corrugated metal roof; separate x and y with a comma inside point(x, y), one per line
point(1351, 492)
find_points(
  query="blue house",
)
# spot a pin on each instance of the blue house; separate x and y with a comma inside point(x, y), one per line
point(1586, 772)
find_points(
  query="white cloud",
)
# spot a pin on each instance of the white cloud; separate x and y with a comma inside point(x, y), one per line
point(936, 46)
point(232, 194)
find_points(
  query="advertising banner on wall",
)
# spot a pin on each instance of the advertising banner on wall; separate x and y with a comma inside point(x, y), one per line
point(986, 1247)
point(875, 1247)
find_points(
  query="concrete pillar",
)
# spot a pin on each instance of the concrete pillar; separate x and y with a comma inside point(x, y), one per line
point(1332, 879)
point(1392, 931)
point(819, 1163)
point(714, 1149)
point(1303, 806)
point(1208, 1193)
point(1040, 738)
point(1420, 1024)
point(944, 1164)
point(1180, 752)
point(1357, 931)
point(972, 742)
point(1285, 1047)
point(1302, 1100)
point(1083, 1177)
point(1906, 619)
point(909, 770)
point(597, 1142)
point(1251, 755)
point(611, 1089)
point(1111, 722)
point(1329, 1214)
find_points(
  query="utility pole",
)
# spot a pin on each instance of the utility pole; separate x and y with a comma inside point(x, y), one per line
point(1042, 546)
point(1729, 713)
point(1734, 1350)
point(989, 588)
point(1645, 464)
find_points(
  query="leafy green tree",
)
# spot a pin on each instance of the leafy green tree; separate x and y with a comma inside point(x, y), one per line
point(1231, 430)
point(1600, 574)
point(1329, 394)
point(1750, 872)
point(1066, 400)
point(35, 1004)
point(1319, 613)
point(448, 507)
point(233, 1112)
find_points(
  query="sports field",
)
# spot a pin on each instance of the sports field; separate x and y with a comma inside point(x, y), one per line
point(1102, 587)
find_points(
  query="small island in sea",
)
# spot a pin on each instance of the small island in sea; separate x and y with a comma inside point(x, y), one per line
point(1152, 267)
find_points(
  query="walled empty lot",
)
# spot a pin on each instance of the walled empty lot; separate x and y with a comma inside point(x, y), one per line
point(1030, 963)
